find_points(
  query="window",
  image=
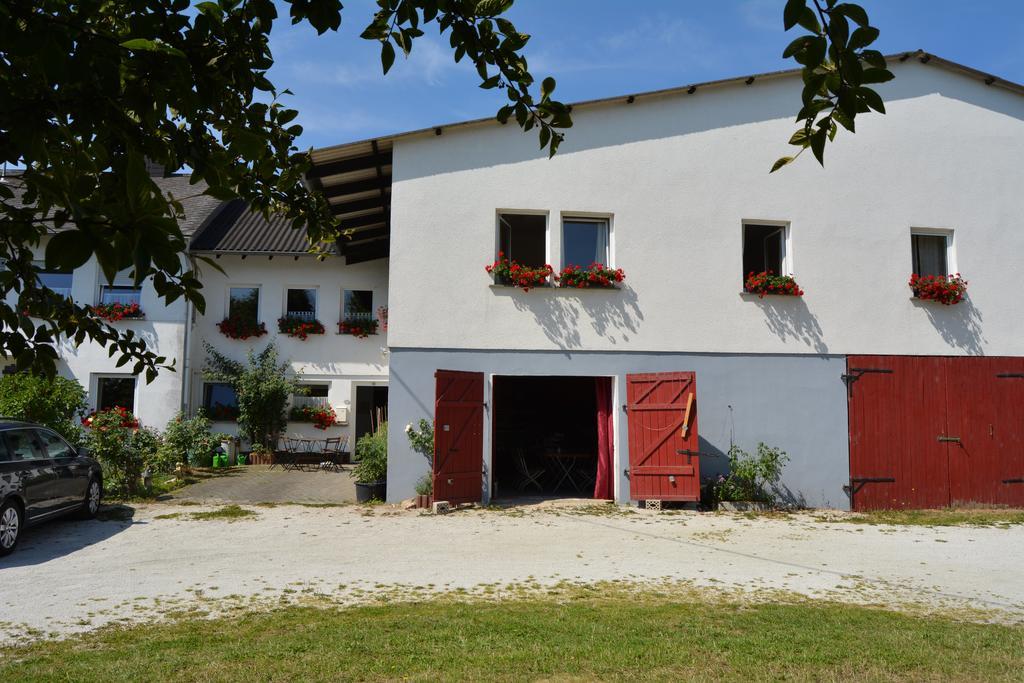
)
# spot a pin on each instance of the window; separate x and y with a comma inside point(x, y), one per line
point(930, 253)
point(358, 305)
point(764, 248)
point(244, 304)
point(22, 445)
point(123, 290)
point(584, 241)
point(315, 395)
point(57, 281)
point(54, 446)
point(113, 392)
point(301, 303)
point(523, 238)
point(220, 402)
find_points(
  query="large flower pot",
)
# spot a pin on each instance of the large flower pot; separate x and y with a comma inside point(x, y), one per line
point(373, 490)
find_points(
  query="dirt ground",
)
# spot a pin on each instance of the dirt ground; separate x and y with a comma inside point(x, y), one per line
point(160, 561)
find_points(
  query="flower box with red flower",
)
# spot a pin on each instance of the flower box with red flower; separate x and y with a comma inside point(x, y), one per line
point(322, 417)
point(358, 327)
point(127, 418)
point(114, 312)
point(766, 282)
point(294, 326)
point(241, 328)
point(511, 274)
point(946, 289)
point(594, 276)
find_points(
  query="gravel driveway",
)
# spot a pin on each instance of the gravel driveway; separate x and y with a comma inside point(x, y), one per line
point(73, 576)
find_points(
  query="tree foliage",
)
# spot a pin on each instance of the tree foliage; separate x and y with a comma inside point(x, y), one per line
point(262, 387)
point(837, 69)
point(56, 402)
point(93, 89)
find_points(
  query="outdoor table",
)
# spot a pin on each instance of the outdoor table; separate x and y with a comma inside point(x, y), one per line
point(566, 463)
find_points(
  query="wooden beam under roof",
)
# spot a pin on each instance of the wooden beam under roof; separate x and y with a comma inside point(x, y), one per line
point(378, 183)
point(366, 252)
point(358, 205)
point(361, 163)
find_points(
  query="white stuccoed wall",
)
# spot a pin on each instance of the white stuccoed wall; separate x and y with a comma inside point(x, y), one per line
point(678, 174)
point(344, 360)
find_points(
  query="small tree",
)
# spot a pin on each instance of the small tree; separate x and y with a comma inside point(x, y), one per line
point(262, 386)
point(122, 447)
point(372, 456)
point(751, 477)
point(54, 402)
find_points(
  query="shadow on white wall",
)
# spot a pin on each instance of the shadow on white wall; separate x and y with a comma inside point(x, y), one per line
point(788, 317)
point(959, 325)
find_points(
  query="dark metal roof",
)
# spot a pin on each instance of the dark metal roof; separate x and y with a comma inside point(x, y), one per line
point(237, 230)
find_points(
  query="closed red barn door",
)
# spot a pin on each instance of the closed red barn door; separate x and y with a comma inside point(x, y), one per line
point(897, 412)
point(458, 436)
point(663, 445)
point(974, 459)
point(1008, 428)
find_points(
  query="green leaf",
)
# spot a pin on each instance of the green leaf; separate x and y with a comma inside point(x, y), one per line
point(854, 12)
point(876, 76)
point(387, 55)
point(872, 99)
point(791, 13)
point(818, 144)
point(780, 163)
point(68, 250)
point(145, 45)
point(862, 37)
point(796, 46)
point(547, 86)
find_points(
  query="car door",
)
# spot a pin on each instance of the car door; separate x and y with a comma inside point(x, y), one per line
point(72, 472)
point(32, 472)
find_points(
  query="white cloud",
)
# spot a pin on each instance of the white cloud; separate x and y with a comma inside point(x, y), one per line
point(762, 15)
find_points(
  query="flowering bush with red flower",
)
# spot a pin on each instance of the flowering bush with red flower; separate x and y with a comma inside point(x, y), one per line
point(595, 275)
point(322, 417)
point(946, 289)
point(295, 326)
point(118, 416)
point(114, 312)
point(241, 328)
point(767, 282)
point(358, 327)
point(508, 272)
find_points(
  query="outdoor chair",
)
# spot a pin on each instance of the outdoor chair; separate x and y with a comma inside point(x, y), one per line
point(528, 476)
point(335, 449)
point(289, 451)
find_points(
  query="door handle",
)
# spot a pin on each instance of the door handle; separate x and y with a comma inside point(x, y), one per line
point(949, 439)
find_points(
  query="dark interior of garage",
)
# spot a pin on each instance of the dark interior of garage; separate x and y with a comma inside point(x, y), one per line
point(545, 436)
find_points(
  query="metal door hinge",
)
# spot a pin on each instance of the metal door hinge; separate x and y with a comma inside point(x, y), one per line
point(855, 374)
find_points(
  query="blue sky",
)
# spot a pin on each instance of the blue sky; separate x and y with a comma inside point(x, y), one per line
point(598, 48)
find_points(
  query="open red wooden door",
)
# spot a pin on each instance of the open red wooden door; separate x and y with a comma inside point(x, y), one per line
point(458, 436)
point(663, 447)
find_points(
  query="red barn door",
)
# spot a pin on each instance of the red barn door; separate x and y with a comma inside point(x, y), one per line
point(458, 436)
point(663, 445)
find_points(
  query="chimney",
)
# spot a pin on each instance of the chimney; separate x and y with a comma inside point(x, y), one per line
point(155, 170)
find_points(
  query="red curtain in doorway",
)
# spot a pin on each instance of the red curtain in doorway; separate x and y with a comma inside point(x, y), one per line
point(603, 488)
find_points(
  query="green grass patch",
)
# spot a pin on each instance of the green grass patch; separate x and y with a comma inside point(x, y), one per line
point(977, 517)
point(228, 512)
point(647, 636)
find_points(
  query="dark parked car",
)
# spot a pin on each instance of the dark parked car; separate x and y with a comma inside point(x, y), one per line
point(41, 477)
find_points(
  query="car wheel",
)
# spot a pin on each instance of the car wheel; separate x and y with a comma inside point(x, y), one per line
point(10, 527)
point(91, 504)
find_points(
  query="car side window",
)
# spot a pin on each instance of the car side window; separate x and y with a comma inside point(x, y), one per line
point(22, 445)
point(54, 446)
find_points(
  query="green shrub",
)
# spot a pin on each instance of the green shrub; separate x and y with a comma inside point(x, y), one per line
point(372, 455)
point(750, 477)
point(187, 440)
point(422, 441)
point(123, 448)
point(56, 402)
point(425, 485)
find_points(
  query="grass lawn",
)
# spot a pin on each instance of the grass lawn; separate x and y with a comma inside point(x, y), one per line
point(623, 637)
point(997, 517)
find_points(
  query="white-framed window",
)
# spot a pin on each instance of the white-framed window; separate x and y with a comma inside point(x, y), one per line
point(122, 291)
point(220, 401)
point(523, 237)
point(357, 304)
point(56, 280)
point(314, 394)
point(115, 391)
point(586, 240)
point(931, 251)
point(244, 304)
point(766, 248)
point(300, 302)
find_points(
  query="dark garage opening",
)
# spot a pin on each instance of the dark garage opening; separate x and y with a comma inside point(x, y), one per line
point(546, 436)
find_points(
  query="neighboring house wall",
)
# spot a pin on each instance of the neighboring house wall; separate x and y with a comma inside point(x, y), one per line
point(677, 176)
point(342, 361)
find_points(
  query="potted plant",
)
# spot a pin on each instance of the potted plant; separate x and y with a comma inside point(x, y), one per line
point(358, 327)
point(241, 328)
point(294, 326)
point(513, 274)
point(946, 289)
point(424, 491)
point(371, 468)
point(766, 282)
point(114, 312)
point(594, 276)
point(322, 417)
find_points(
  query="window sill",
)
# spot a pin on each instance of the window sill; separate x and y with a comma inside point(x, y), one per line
point(553, 288)
point(755, 295)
